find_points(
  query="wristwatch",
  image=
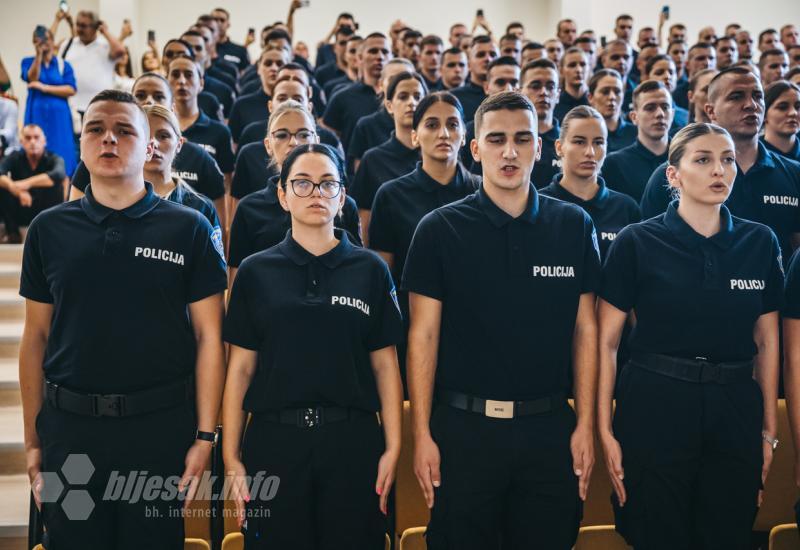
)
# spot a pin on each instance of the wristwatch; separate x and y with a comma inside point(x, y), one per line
point(771, 440)
point(207, 436)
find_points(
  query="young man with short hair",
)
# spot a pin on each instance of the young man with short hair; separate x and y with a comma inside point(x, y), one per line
point(567, 32)
point(574, 69)
point(454, 68)
point(540, 85)
point(701, 56)
point(482, 52)
point(430, 62)
point(769, 39)
point(226, 48)
point(773, 64)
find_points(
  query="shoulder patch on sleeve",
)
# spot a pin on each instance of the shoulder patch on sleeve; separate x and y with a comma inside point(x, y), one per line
point(216, 239)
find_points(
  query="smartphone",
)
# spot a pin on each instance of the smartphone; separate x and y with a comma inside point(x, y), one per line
point(479, 13)
point(63, 6)
point(665, 11)
point(251, 31)
point(40, 32)
point(151, 35)
point(603, 41)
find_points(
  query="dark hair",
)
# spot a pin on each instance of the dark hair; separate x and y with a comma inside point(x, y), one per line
point(675, 42)
point(722, 39)
point(602, 73)
point(581, 112)
point(318, 148)
point(571, 50)
point(533, 46)
point(481, 39)
point(411, 34)
point(585, 40)
point(512, 25)
point(775, 90)
point(345, 15)
point(400, 77)
point(700, 46)
point(649, 29)
point(763, 59)
point(503, 61)
point(292, 66)
point(376, 35)
point(345, 30)
point(558, 25)
point(679, 26)
point(128, 65)
point(432, 40)
point(157, 76)
point(792, 73)
point(453, 51)
point(118, 96)
point(696, 78)
point(618, 42)
point(646, 87)
point(191, 32)
point(623, 16)
point(765, 32)
point(543, 63)
point(355, 37)
point(733, 69)
point(454, 25)
point(648, 47)
point(223, 10)
point(504, 101)
point(512, 37)
point(655, 59)
point(437, 97)
point(183, 43)
point(278, 34)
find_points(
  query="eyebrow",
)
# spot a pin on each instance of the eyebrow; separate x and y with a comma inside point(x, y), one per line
point(707, 152)
point(503, 134)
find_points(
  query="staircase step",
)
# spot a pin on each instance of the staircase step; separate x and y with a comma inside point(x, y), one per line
point(11, 253)
point(9, 274)
point(10, 336)
point(14, 505)
point(12, 305)
point(9, 382)
point(12, 442)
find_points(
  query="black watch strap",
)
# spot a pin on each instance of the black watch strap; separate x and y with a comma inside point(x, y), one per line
point(211, 437)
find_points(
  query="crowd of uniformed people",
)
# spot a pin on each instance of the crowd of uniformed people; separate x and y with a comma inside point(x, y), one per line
point(486, 226)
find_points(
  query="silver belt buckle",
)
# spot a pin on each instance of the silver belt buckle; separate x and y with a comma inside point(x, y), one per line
point(499, 409)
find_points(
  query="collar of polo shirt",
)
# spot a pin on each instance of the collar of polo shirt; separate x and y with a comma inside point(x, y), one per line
point(599, 201)
point(430, 185)
point(98, 212)
point(500, 218)
point(687, 235)
point(271, 190)
point(765, 158)
point(330, 259)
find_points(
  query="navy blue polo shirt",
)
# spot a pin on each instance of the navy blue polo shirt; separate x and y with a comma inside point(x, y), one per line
point(333, 86)
point(328, 72)
point(248, 108)
point(694, 296)
point(509, 289)
point(221, 91)
point(401, 203)
point(261, 222)
point(120, 282)
point(257, 131)
point(314, 325)
point(371, 131)
point(624, 135)
point(215, 138)
point(768, 193)
point(680, 118)
point(792, 154)
point(234, 53)
point(567, 102)
point(627, 100)
point(681, 94)
point(192, 164)
point(347, 106)
point(16, 166)
point(470, 95)
point(222, 72)
point(433, 86)
point(209, 105)
point(628, 169)
point(185, 195)
point(610, 211)
point(325, 54)
point(380, 164)
point(250, 85)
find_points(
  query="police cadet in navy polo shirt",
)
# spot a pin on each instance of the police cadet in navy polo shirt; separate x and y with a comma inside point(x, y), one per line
point(767, 188)
point(121, 357)
point(260, 222)
point(694, 430)
point(185, 79)
point(782, 119)
point(192, 164)
point(501, 289)
point(606, 92)
point(582, 149)
point(396, 157)
point(313, 324)
point(438, 180)
point(791, 355)
point(574, 66)
point(540, 85)
point(628, 169)
point(228, 50)
point(481, 52)
point(359, 99)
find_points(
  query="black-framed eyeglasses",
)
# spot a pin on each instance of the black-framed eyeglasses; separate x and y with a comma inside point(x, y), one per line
point(302, 136)
point(328, 189)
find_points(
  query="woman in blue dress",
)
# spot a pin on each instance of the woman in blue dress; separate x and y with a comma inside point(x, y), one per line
point(50, 82)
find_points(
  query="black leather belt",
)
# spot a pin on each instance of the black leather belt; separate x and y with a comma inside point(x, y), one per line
point(697, 370)
point(312, 417)
point(500, 409)
point(131, 404)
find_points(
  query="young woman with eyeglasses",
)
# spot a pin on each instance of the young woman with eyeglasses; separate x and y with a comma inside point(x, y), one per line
point(312, 326)
point(260, 222)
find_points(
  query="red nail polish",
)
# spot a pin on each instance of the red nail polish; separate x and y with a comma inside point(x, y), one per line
point(378, 490)
point(247, 499)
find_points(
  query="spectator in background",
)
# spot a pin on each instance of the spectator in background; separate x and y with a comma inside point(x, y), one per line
point(325, 53)
point(123, 73)
point(150, 62)
point(769, 39)
point(92, 52)
point(50, 82)
point(226, 49)
point(31, 180)
point(789, 36)
point(9, 115)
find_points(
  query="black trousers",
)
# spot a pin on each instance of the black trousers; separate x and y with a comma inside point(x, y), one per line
point(692, 456)
point(16, 215)
point(506, 483)
point(325, 497)
point(121, 450)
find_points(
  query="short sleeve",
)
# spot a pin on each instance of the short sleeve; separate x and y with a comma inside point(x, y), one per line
point(424, 270)
point(240, 244)
point(791, 304)
point(26, 66)
point(68, 77)
point(334, 112)
point(358, 140)
point(239, 328)
point(350, 222)
point(591, 257)
point(208, 275)
point(33, 283)
point(363, 189)
point(81, 178)
point(211, 181)
point(5, 165)
point(619, 273)
point(240, 186)
point(225, 151)
point(774, 287)
point(57, 172)
point(386, 328)
point(381, 236)
point(656, 197)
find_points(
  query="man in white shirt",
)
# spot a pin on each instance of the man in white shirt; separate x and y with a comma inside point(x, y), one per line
point(9, 128)
point(92, 51)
